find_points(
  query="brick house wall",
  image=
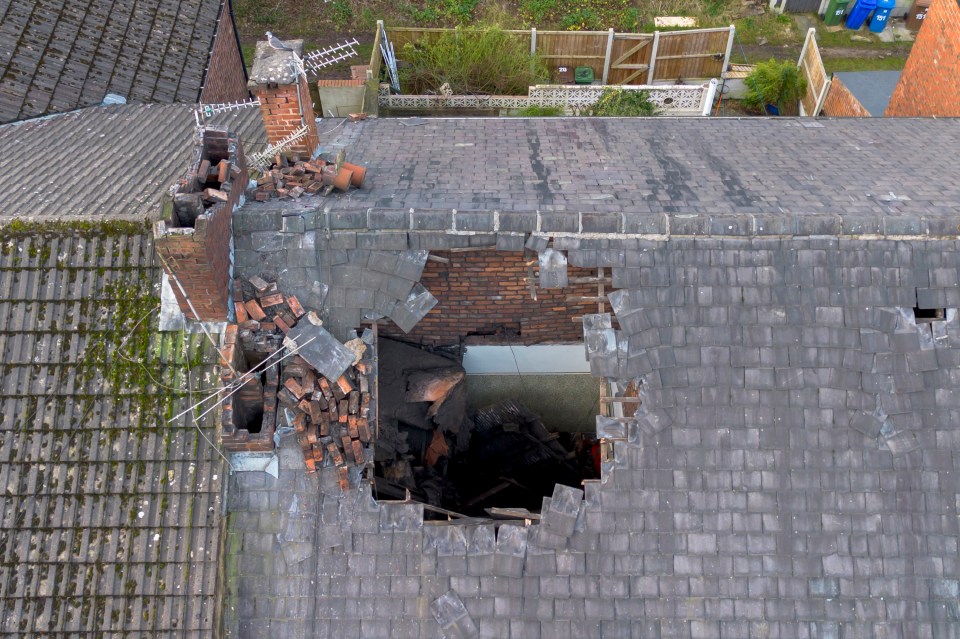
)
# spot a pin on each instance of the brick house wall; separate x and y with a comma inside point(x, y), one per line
point(483, 294)
point(840, 103)
point(199, 256)
point(930, 82)
point(226, 78)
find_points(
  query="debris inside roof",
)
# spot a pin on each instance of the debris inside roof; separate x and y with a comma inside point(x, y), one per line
point(293, 181)
point(457, 458)
point(323, 392)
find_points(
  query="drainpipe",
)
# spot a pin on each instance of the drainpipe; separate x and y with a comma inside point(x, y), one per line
point(708, 101)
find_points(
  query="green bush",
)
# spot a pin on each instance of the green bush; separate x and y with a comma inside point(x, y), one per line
point(538, 11)
point(623, 103)
point(480, 59)
point(776, 83)
point(629, 19)
point(536, 111)
point(580, 20)
point(341, 13)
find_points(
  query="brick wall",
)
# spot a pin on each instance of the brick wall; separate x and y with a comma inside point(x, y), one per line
point(483, 293)
point(199, 256)
point(226, 79)
point(840, 103)
point(930, 82)
point(281, 115)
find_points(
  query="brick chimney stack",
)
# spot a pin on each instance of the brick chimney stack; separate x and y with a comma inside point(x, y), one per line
point(195, 236)
point(284, 96)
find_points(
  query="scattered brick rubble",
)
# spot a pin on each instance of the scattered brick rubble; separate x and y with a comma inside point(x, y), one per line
point(307, 178)
point(324, 392)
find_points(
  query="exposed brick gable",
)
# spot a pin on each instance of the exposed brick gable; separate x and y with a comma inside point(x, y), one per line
point(485, 293)
point(930, 83)
point(226, 80)
point(840, 103)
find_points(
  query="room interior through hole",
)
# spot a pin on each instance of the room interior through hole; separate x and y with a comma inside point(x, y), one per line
point(468, 457)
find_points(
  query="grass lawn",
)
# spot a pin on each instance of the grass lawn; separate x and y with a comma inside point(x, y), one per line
point(888, 63)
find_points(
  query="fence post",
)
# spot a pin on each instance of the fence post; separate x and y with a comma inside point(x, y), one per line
point(821, 99)
point(606, 59)
point(653, 56)
point(726, 57)
point(533, 49)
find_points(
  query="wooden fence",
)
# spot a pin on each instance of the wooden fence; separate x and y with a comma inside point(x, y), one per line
point(616, 58)
point(811, 67)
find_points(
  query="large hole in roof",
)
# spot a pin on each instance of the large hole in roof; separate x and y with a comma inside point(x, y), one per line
point(496, 429)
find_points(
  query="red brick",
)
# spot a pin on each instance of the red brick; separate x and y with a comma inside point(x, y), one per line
point(930, 82)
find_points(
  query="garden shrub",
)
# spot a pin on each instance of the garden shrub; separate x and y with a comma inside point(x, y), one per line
point(775, 83)
point(471, 60)
point(623, 103)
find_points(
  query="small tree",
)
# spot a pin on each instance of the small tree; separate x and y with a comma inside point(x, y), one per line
point(779, 84)
point(623, 103)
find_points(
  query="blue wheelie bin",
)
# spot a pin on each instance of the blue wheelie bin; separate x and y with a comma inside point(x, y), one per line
point(858, 15)
point(882, 15)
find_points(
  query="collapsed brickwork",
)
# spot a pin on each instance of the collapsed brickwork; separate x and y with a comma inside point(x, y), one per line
point(930, 82)
point(195, 238)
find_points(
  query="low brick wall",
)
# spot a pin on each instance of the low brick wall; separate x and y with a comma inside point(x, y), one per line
point(234, 437)
point(840, 103)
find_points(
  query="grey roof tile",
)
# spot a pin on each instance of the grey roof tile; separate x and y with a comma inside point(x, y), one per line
point(92, 143)
point(65, 56)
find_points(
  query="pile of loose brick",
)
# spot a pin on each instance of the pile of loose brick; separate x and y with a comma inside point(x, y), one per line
point(215, 174)
point(269, 310)
point(305, 178)
point(331, 418)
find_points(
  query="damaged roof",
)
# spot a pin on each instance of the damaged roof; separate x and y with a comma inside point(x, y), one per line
point(104, 162)
point(110, 516)
point(59, 56)
point(793, 469)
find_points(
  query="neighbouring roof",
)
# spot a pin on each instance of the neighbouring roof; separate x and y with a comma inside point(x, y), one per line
point(871, 88)
point(113, 162)
point(703, 166)
point(58, 56)
point(110, 517)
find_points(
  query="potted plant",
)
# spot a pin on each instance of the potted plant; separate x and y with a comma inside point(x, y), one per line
point(775, 88)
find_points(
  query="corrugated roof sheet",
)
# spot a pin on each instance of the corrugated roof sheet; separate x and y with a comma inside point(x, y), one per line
point(56, 56)
point(109, 517)
point(104, 161)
